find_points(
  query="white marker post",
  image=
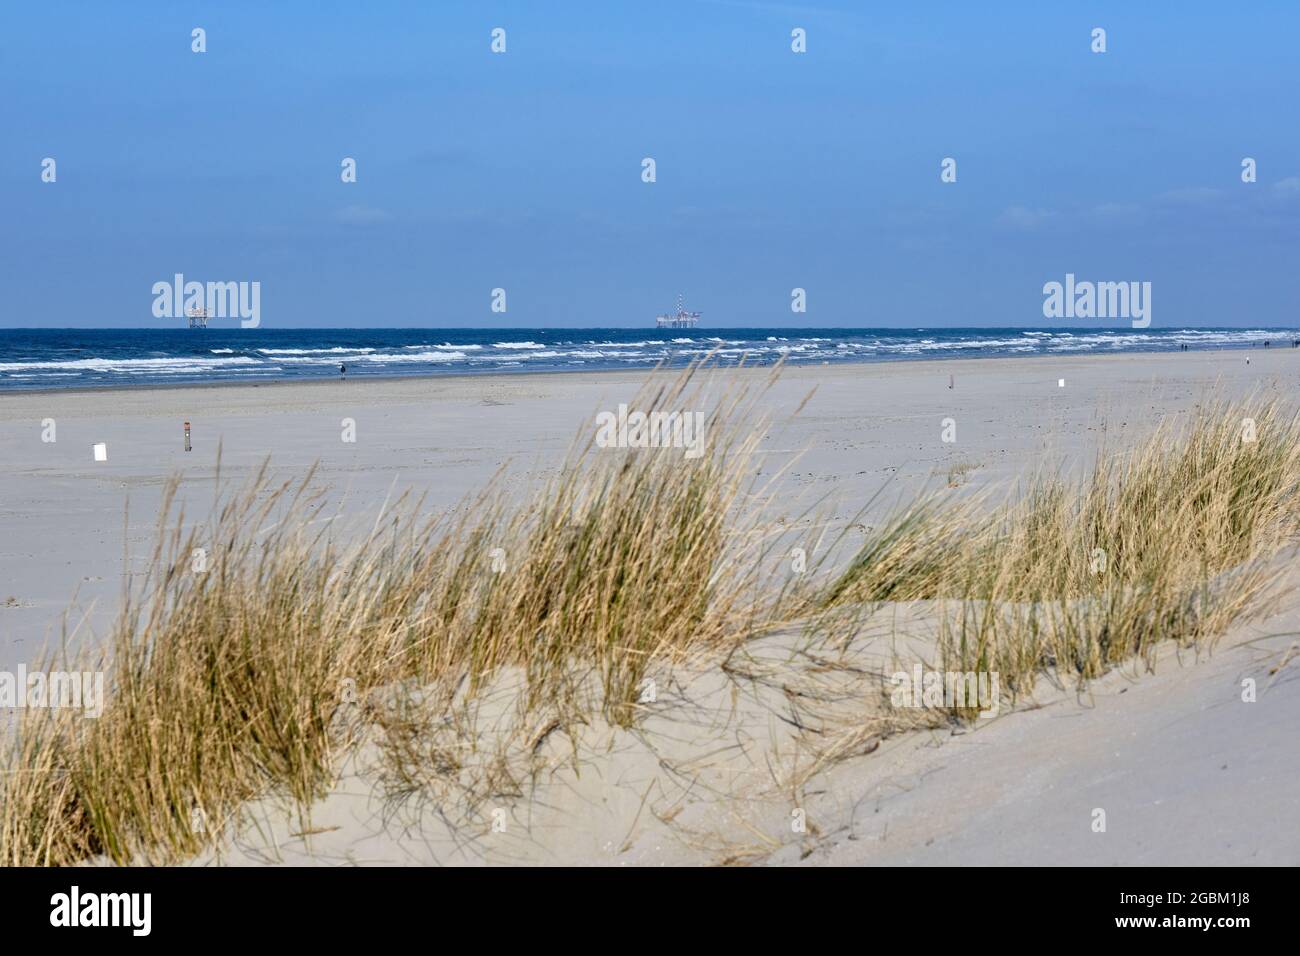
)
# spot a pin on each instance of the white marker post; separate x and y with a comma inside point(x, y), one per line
point(101, 451)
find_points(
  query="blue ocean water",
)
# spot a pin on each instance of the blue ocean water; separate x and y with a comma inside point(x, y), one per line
point(93, 358)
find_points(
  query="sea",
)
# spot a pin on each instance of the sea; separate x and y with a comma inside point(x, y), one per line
point(115, 358)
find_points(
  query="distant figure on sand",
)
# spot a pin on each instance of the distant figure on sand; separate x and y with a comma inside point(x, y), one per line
point(343, 370)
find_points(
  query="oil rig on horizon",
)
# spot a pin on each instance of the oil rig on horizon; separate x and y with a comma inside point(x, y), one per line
point(681, 319)
point(198, 317)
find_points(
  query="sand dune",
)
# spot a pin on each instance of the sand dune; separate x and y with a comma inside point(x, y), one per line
point(1187, 773)
point(775, 758)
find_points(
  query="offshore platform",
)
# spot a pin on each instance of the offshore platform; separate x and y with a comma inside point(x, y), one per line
point(198, 317)
point(681, 319)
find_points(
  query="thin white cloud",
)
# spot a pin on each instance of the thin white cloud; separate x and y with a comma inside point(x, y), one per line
point(1023, 218)
point(358, 215)
point(1288, 188)
point(1117, 213)
point(1191, 196)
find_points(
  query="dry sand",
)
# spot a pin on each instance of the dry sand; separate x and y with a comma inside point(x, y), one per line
point(1185, 771)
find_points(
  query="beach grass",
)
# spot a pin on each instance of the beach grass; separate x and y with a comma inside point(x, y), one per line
point(255, 674)
point(1175, 539)
point(247, 676)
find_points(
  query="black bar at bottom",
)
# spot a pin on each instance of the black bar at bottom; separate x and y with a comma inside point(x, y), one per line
point(333, 907)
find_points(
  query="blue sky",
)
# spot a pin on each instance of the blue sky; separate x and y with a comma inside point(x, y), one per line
point(775, 170)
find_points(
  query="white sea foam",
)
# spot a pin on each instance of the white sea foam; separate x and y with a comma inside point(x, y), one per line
point(414, 357)
point(61, 367)
point(447, 346)
point(131, 365)
point(337, 350)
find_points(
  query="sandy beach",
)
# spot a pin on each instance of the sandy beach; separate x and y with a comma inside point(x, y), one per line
point(1186, 772)
point(867, 428)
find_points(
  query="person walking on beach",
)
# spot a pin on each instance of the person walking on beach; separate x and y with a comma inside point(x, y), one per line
point(343, 370)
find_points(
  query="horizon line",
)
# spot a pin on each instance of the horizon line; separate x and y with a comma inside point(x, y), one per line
point(635, 328)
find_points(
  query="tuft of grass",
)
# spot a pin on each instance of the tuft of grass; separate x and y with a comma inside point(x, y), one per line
point(1173, 540)
point(957, 473)
point(254, 675)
